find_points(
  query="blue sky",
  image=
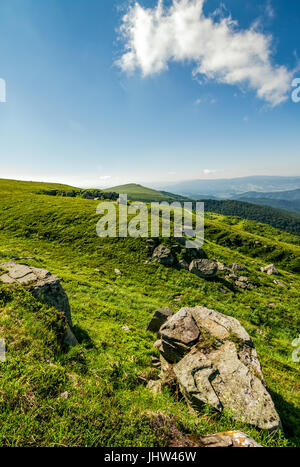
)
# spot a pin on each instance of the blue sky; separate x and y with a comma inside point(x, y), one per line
point(79, 111)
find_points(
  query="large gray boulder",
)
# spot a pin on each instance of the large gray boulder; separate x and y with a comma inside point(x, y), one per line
point(178, 335)
point(44, 286)
point(215, 362)
point(205, 268)
point(163, 255)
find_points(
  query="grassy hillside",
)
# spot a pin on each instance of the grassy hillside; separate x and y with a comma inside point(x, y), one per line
point(95, 393)
point(289, 200)
point(14, 186)
point(137, 192)
point(277, 218)
point(292, 206)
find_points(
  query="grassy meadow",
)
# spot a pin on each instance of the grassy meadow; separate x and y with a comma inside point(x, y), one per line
point(95, 394)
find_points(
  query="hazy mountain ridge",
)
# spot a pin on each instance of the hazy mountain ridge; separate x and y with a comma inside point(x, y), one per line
point(288, 195)
point(288, 200)
point(228, 188)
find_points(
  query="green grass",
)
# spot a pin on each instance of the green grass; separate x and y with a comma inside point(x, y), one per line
point(105, 376)
point(137, 192)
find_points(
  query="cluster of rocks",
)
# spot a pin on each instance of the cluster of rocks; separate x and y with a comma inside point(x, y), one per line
point(241, 282)
point(44, 286)
point(212, 359)
point(196, 261)
point(91, 194)
point(270, 270)
point(192, 259)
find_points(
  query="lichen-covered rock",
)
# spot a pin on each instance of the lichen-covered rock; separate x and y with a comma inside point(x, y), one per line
point(228, 439)
point(280, 283)
point(178, 335)
point(215, 362)
point(222, 267)
point(163, 255)
point(155, 386)
point(205, 268)
point(44, 286)
point(270, 269)
point(159, 318)
point(151, 244)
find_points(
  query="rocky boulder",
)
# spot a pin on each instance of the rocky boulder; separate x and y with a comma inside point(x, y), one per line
point(44, 286)
point(228, 439)
point(151, 245)
point(215, 362)
point(205, 268)
point(178, 335)
point(163, 255)
point(270, 269)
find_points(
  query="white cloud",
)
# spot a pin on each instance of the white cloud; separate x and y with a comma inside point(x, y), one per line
point(218, 49)
point(208, 171)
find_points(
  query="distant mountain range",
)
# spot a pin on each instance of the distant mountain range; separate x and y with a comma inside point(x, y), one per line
point(230, 188)
point(288, 195)
point(289, 200)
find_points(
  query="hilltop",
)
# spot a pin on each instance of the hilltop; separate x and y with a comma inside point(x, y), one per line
point(138, 192)
point(95, 394)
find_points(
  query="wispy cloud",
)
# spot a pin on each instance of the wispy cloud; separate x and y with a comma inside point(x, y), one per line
point(205, 99)
point(270, 10)
point(218, 48)
point(209, 171)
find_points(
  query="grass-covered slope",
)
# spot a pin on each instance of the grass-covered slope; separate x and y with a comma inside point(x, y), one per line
point(95, 393)
point(137, 192)
point(19, 186)
point(292, 206)
point(278, 218)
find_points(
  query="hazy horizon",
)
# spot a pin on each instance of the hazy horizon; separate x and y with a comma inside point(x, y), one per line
point(154, 184)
